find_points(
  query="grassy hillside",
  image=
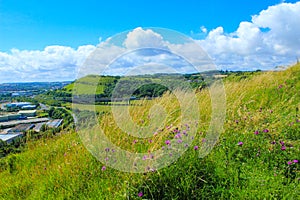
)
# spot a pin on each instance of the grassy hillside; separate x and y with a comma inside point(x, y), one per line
point(255, 158)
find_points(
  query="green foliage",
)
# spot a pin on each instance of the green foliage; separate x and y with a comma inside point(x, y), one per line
point(262, 112)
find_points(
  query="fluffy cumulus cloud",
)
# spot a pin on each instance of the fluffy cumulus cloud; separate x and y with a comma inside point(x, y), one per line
point(272, 38)
point(52, 63)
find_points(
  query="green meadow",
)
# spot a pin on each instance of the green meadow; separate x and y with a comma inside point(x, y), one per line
point(256, 156)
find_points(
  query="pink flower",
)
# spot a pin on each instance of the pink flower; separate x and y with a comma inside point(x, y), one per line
point(140, 194)
point(196, 147)
point(103, 168)
point(240, 143)
point(295, 161)
point(256, 132)
point(289, 163)
point(266, 131)
point(283, 148)
point(168, 142)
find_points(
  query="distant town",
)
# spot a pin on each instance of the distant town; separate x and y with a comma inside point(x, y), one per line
point(19, 117)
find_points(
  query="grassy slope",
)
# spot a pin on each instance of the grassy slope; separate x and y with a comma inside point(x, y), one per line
point(62, 168)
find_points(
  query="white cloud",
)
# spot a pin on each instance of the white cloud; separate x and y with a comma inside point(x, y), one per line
point(140, 38)
point(203, 29)
point(52, 63)
point(272, 38)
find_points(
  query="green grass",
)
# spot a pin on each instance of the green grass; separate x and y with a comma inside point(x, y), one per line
point(62, 168)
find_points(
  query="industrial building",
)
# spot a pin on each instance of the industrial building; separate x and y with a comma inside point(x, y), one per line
point(54, 123)
point(21, 106)
point(27, 113)
point(9, 138)
point(21, 128)
point(5, 118)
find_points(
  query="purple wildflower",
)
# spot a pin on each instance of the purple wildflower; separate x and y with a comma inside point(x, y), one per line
point(283, 148)
point(177, 136)
point(295, 161)
point(103, 168)
point(266, 131)
point(282, 143)
point(168, 142)
point(179, 141)
point(150, 141)
point(134, 141)
point(273, 142)
point(140, 194)
point(271, 111)
point(280, 86)
point(112, 150)
point(144, 157)
point(289, 163)
point(240, 143)
point(196, 147)
point(107, 149)
point(256, 132)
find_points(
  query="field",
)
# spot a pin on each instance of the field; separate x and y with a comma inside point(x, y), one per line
point(256, 157)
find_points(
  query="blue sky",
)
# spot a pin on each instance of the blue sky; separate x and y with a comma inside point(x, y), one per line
point(33, 24)
point(49, 40)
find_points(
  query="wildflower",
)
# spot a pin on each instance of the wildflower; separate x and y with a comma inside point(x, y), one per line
point(150, 141)
point(107, 149)
point(168, 142)
point(240, 143)
point(163, 147)
point(266, 131)
point(140, 194)
point(103, 168)
point(177, 136)
point(196, 147)
point(283, 148)
point(271, 111)
point(106, 159)
point(280, 86)
point(134, 141)
point(112, 150)
point(203, 140)
point(186, 145)
point(273, 142)
point(295, 161)
point(282, 143)
point(256, 132)
point(236, 121)
point(144, 157)
point(289, 163)
point(179, 141)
